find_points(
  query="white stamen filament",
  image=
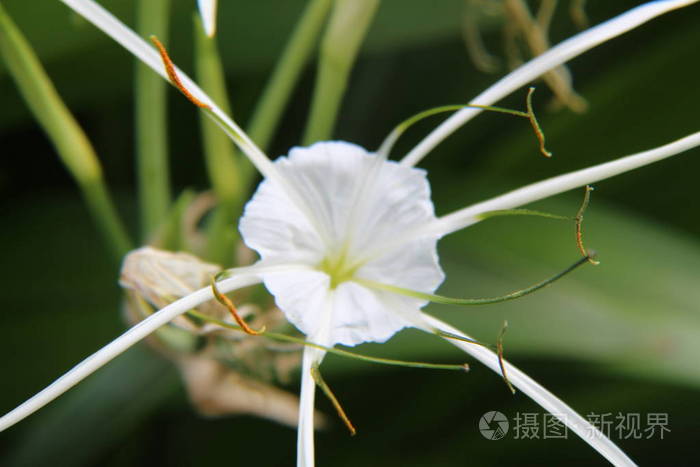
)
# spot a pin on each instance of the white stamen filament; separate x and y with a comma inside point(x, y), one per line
point(539, 394)
point(207, 9)
point(552, 186)
point(305, 431)
point(540, 65)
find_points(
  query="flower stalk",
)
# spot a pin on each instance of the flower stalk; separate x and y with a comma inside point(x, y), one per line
point(228, 173)
point(296, 54)
point(347, 28)
point(151, 105)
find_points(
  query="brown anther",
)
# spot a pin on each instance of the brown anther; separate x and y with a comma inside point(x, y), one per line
point(316, 374)
point(579, 227)
point(535, 124)
point(172, 74)
point(224, 300)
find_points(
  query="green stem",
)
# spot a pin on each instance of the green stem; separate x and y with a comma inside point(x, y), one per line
point(401, 128)
point(278, 90)
point(172, 235)
point(71, 143)
point(224, 165)
point(151, 125)
point(471, 301)
point(347, 28)
point(100, 204)
point(522, 212)
point(343, 353)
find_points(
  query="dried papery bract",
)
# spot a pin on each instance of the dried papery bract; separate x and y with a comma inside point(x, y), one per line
point(161, 277)
point(226, 372)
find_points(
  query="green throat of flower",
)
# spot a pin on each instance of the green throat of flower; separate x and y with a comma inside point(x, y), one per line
point(339, 268)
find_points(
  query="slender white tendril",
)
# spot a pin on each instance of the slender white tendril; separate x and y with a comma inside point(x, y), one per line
point(539, 394)
point(540, 65)
point(207, 9)
point(243, 277)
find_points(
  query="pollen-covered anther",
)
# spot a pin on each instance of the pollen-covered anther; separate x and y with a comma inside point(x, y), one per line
point(172, 74)
point(590, 254)
point(225, 301)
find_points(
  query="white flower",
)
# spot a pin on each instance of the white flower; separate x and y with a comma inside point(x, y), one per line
point(353, 203)
point(329, 219)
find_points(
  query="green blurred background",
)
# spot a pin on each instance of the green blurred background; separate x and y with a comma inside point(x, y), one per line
point(618, 338)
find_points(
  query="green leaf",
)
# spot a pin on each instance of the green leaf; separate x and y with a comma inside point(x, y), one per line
point(71, 143)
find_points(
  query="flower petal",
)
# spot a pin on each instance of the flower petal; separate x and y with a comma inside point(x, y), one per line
point(539, 394)
point(358, 314)
point(554, 57)
point(357, 200)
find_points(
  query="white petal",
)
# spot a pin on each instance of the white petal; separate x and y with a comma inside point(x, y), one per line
point(554, 57)
point(544, 189)
point(207, 9)
point(356, 200)
point(302, 297)
point(539, 394)
point(358, 314)
point(122, 343)
point(362, 315)
point(414, 266)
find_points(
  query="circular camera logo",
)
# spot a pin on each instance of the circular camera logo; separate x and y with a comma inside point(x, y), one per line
point(493, 425)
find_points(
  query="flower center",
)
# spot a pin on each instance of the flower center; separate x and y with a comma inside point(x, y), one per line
point(338, 267)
